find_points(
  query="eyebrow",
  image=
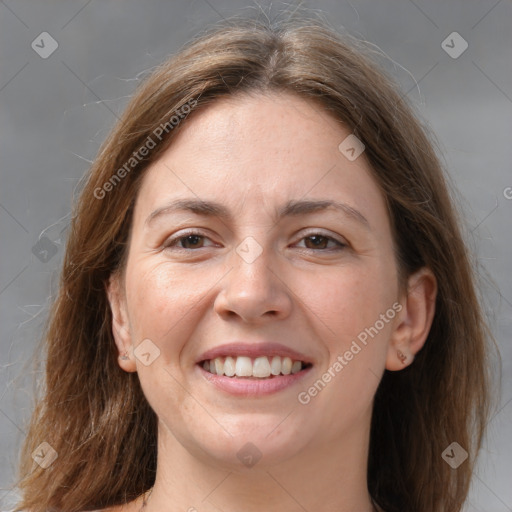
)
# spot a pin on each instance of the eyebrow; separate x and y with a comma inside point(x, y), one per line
point(291, 208)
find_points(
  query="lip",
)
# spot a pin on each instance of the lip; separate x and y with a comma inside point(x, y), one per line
point(253, 350)
point(247, 386)
point(252, 387)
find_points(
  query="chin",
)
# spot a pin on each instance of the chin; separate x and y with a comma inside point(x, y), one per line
point(255, 441)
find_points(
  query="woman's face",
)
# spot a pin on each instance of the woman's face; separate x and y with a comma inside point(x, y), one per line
point(251, 265)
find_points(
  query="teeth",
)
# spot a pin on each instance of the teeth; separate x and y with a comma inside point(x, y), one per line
point(286, 366)
point(275, 365)
point(261, 368)
point(243, 367)
point(229, 367)
point(296, 366)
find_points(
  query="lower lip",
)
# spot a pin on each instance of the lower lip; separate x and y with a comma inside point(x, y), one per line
point(252, 387)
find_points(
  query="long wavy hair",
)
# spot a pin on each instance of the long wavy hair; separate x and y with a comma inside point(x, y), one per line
point(96, 417)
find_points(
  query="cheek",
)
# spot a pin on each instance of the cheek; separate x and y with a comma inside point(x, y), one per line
point(347, 300)
point(358, 308)
point(347, 308)
point(162, 300)
point(162, 303)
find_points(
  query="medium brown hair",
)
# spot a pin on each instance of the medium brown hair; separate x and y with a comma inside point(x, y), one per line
point(96, 416)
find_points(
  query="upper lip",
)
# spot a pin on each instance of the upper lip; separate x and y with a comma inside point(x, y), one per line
point(239, 348)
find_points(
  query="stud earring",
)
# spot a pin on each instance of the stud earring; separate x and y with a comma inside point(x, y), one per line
point(124, 357)
point(401, 356)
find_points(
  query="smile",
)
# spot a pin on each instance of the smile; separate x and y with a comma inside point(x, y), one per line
point(263, 367)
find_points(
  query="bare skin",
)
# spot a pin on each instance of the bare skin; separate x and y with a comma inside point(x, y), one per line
point(321, 279)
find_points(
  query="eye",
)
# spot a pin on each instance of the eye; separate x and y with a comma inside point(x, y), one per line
point(195, 240)
point(320, 241)
point(191, 240)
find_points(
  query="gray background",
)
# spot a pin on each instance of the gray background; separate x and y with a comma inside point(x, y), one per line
point(56, 111)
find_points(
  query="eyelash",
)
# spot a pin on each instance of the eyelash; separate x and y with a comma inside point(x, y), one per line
point(171, 242)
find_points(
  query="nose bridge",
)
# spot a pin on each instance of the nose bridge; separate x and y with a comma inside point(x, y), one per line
point(253, 264)
point(252, 288)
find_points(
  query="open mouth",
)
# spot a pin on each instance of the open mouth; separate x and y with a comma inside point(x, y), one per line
point(263, 367)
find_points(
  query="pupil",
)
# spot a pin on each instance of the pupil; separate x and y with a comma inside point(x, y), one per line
point(317, 240)
point(192, 239)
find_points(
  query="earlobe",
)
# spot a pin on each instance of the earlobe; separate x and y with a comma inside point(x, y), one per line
point(120, 323)
point(414, 321)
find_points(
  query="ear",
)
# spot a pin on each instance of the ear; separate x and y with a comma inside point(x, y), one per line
point(120, 322)
point(414, 320)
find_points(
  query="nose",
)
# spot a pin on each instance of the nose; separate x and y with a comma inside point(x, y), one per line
point(254, 291)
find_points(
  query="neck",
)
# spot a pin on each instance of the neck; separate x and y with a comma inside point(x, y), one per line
point(327, 475)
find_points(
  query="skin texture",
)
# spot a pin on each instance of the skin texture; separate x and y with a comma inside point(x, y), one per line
point(252, 154)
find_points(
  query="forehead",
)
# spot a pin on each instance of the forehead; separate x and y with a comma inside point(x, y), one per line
point(258, 150)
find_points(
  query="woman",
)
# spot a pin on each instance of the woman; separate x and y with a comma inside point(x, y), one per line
point(266, 302)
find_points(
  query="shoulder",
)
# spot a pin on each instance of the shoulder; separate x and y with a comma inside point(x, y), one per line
point(119, 508)
point(128, 507)
point(109, 509)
